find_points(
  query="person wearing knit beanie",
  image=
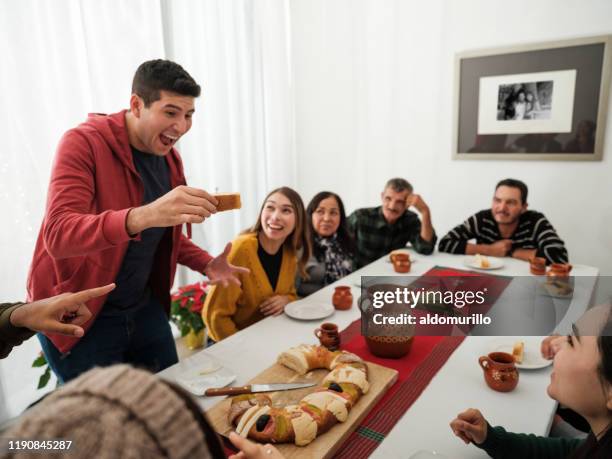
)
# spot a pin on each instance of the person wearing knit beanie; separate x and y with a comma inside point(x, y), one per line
point(121, 412)
point(117, 412)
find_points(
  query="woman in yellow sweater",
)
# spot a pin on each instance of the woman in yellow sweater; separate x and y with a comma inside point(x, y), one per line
point(270, 251)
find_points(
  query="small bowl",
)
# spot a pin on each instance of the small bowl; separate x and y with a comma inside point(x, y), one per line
point(389, 347)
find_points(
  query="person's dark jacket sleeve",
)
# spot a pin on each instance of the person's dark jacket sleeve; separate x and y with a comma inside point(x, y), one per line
point(315, 281)
point(501, 444)
point(418, 243)
point(351, 222)
point(10, 336)
point(456, 240)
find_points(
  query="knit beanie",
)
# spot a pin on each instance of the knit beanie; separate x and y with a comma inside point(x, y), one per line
point(115, 412)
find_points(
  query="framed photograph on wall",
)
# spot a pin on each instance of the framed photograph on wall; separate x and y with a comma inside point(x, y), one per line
point(546, 101)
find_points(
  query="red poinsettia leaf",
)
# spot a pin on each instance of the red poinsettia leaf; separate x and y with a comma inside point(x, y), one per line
point(197, 296)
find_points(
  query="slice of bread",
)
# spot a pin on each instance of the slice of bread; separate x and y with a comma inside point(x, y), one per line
point(228, 201)
point(518, 351)
point(482, 261)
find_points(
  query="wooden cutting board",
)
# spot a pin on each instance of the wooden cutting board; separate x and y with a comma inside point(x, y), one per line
point(325, 445)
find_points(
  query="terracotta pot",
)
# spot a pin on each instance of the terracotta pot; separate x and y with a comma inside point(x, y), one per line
point(401, 262)
point(500, 373)
point(342, 298)
point(328, 336)
point(389, 347)
point(559, 271)
point(537, 266)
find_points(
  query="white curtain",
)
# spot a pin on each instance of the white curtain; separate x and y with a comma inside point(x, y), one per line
point(242, 137)
point(64, 59)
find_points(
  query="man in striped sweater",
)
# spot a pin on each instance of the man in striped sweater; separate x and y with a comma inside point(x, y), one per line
point(507, 229)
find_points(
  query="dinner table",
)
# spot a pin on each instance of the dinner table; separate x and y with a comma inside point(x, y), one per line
point(457, 385)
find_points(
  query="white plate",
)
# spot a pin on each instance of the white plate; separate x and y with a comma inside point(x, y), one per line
point(425, 454)
point(201, 372)
point(532, 357)
point(309, 310)
point(494, 263)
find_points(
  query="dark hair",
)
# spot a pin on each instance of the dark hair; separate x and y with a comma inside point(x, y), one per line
point(157, 75)
point(513, 183)
point(213, 441)
point(345, 239)
point(604, 343)
point(593, 448)
point(299, 239)
point(399, 185)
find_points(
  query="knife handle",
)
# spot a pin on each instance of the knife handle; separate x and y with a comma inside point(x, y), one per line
point(228, 391)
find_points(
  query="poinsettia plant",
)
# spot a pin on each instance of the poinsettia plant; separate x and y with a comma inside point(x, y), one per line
point(186, 307)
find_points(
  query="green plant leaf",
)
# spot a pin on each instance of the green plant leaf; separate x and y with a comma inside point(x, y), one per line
point(44, 379)
point(40, 361)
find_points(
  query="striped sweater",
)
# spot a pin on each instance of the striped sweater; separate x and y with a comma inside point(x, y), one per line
point(534, 231)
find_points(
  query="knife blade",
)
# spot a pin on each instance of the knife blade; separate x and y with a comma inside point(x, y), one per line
point(255, 388)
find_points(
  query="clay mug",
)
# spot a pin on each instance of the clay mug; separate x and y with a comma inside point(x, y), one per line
point(342, 298)
point(500, 373)
point(559, 272)
point(537, 266)
point(401, 262)
point(328, 336)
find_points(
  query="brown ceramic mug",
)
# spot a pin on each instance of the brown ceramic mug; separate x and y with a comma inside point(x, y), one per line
point(328, 336)
point(559, 271)
point(342, 298)
point(537, 266)
point(401, 262)
point(500, 372)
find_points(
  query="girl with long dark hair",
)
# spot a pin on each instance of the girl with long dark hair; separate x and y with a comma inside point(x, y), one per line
point(581, 380)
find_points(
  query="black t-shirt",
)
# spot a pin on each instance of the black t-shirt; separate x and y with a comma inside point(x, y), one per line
point(132, 289)
point(271, 264)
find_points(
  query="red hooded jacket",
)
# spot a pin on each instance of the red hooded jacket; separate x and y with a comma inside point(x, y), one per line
point(83, 237)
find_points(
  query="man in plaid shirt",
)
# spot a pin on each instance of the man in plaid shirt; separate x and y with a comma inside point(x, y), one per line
point(379, 230)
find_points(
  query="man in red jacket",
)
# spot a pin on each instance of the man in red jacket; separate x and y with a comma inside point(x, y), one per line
point(116, 206)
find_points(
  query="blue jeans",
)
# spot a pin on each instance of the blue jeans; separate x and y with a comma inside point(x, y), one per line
point(141, 338)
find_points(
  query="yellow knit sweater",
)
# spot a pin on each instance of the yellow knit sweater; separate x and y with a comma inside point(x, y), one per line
point(232, 308)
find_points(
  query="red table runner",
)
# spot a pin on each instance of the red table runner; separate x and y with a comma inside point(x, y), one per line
point(427, 355)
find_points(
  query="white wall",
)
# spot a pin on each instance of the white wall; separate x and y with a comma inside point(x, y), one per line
point(374, 99)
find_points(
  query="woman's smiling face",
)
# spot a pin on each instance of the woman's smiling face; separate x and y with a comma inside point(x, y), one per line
point(575, 380)
point(278, 217)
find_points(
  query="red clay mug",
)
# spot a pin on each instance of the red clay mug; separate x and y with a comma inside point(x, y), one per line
point(537, 266)
point(342, 298)
point(328, 335)
point(500, 372)
point(559, 271)
point(401, 262)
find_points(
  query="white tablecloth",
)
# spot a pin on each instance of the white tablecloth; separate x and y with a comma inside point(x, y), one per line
point(457, 386)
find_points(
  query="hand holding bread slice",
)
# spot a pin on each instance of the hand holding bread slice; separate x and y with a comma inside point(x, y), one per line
point(228, 201)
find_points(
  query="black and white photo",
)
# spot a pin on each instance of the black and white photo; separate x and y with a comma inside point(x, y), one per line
point(525, 101)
